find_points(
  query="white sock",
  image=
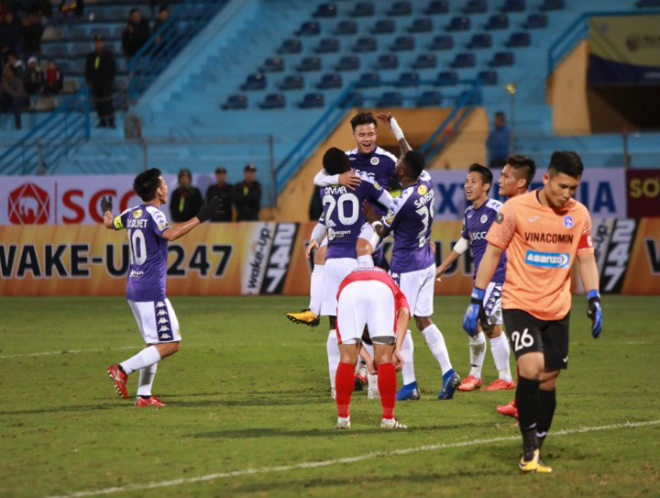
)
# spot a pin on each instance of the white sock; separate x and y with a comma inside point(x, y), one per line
point(499, 348)
point(316, 289)
point(332, 348)
point(146, 380)
point(407, 352)
point(436, 342)
point(369, 348)
point(373, 383)
point(145, 358)
point(477, 354)
point(365, 260)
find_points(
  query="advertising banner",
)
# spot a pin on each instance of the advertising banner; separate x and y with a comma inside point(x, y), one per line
point(643, 192)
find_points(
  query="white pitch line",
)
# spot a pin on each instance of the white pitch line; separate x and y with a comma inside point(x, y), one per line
point(337, 461)
point(66, 351)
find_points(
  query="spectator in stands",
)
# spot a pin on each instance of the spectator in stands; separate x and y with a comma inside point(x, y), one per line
point(34, 78)
point(9, 34)
point(247, 195)
point(222, 190)
point(100, 71)
point(136, 33)
point(161, 18)
point(31, 32)
point(72, 9)
point(12, 95)
point(186, 200)
point(498, 142)
point(52, 84)
point(42, 8)
point(14, 61)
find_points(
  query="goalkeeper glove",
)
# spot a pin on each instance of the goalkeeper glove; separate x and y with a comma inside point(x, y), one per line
point(595, 313)
point(474, 310)
point(106, 204)
point(208, 209)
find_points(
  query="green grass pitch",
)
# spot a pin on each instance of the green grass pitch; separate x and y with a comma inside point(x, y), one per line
point(249, 410)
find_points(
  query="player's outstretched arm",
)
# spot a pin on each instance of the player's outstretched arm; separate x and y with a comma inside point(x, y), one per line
point(204, 214)
point(588, 271)
point(459, 248)
point(106, 209)
point(372, 217)
point(347, 179)
point(387, 117)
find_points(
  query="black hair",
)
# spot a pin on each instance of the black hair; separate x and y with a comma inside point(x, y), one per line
point(130, 13)
point(567, 162)
point(413, 163)
point(335, 161)
point(499, 113)
point(363, 118)
point(146, 184)
point(486, 174)
point(525, 167)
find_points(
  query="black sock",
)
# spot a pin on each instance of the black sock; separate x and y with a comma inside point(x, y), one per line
point(527, 398)
point(547, 404)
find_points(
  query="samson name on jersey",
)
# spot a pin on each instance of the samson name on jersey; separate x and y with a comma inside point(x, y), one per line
point(476, 223)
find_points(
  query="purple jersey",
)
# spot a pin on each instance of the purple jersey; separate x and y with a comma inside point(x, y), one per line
point(145, 225)
point(476, 223)
point(411, 218)
point(343, 216)
point(379, 165)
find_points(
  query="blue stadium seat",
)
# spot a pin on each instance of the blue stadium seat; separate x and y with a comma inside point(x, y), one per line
point(446, 78)
point(463, 59)
point(346, 28)
point(256, 81)
point(429, 98)
point(309, 64)
point(643, 4)
point(353, 99)
point(519, 39)
point(387, 61)
point(514, 6)
point(460, 23)
point(425, 61)
point(502, 59)
point(390, 99)
point(273, 65)
point(290, 46)
point(480, 40)
point(476, 7)
point(53, 51)
point(292, 82)
point(488, 77)
point(369, 80)
point(330, 80)
point(548, 5)
point(422, 25)
point(327, 46)
point(403, 43)
point(273, 101)
point(536, 21)
point(383, 26)
point(80, 50)
point(308, 28)
point(365, 44)
point(498, 21)
point(348, 63)
point(362, 9)
point(235, 101)
point(402, 8)
point(312, 100)
point(408, 79)
point(437, 7)
point(78, 33)
point(441, 42)
point(325, 10)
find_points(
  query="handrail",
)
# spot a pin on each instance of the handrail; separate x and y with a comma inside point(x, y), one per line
point(579, 30)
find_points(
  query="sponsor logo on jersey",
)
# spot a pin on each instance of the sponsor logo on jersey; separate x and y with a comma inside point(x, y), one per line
point(534, 218)
point(374, 161)
point(549, 238)
point(548, 259)
point(137, 213)
point(484, 218)
point(422, 189)
point(478, 235)
point(568, 221)
point(337, 234)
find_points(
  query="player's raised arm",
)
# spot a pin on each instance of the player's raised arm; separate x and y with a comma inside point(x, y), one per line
point(387, 118)
point(106, 209)
point(204, 214)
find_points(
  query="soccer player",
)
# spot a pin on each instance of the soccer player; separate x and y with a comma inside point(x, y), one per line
point(543, 233)
point(413, 266)
point(477, 219)
point(148, 233)
point(369, 297)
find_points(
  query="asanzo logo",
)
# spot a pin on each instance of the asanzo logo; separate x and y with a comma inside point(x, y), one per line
point(548, 259)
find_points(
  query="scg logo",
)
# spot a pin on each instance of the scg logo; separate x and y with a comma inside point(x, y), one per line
point(28, 205)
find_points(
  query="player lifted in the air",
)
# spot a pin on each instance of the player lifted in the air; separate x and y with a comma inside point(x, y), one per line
point(148, 233)
point(477, 219)
point(543, 233)
point(413, 267)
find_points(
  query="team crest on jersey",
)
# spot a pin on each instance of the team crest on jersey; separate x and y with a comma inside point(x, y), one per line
point(500, 217)
point(422, 190)
point(484, 218)
point(137, 213)
point(374, 161)
point(568, 221)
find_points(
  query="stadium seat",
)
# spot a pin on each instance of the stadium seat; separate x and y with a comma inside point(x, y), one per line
point(346, 28)
point(390, 99)
point(290, 46)
point(362, 9)
point(536, 21)
point(437, 7)
point(425, 61)
point(273, 65)
point(104, 32)
point(348, 63)
point(309, 64)
point(273, 101)
point(353, 99)
point(476, 7)
point(292, 82)
point(325, 10)
point(408, 79)
point(402, 8)
point(422, 25)
point(365, 44)
point(441, 42)
point(80, 50)
point(514, 6)
point(429, 98)
point(461, 23)
point(498, 21)
point(308, 28)
point(502, 59)
point(312, 100)
point(488, 77)
point(235, 101)
point(383, 26)
point(480, 40)
point(463, 59)
point(403, 43)
point(548, 5)
point(327, 46)
point(369, 80)
point(53, 51)
point(78, 33)
point(255, 81)
point(387, 61)
point(518, 39)
point(330, 80)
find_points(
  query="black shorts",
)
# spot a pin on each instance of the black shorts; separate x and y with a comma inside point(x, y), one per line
point(528, 334)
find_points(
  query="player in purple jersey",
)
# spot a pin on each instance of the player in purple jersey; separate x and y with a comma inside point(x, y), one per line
point(148, 233)
point(478, 218)
point(413, 267)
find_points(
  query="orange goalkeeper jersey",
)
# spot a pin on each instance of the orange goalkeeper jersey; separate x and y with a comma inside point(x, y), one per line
point(541, 245)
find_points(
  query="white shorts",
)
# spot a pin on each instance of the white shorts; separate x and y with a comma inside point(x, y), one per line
point(335, 270)
point(493, 303)
point(370, 303)
point(156, 320)
point(418, 286)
